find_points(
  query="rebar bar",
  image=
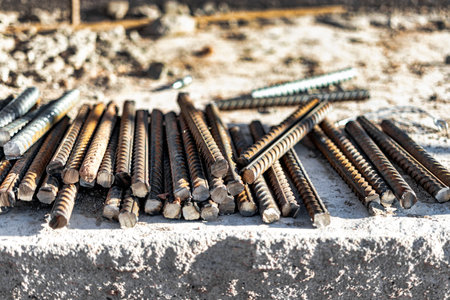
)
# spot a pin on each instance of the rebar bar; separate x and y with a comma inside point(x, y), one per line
point(228, 206)
point(49, 190)
point(357, 159)
point(139, 179)
point(305, 84)
point(277, 180)
point(59, 159)
point(190, 211)
point(205, 142)
point(347, 171)
point(34, 130)
point(98, 145)
point(35, 172)
point(401, 189)
point(70, 172)
point(105, 174)
point(220, 134)
point(317, 210)
point(112, 203)
point(245, 203)
point(209, 210)
point(172, 204)
point(125, 145)
point(153, 203)
point(63, 206)
point(129, 213)
point(19, 106)
point(401, 157)
point(5, 167)
point(247, 102)
point(419, 153)
point(288, 140)
point(199, 182)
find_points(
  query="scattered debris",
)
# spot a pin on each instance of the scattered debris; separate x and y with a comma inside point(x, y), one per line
point(117, 9)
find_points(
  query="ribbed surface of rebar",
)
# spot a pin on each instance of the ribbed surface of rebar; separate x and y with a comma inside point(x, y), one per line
point(288, 140)
point(290, 100)
point(157, 139)
point(129, 212)
point(417, 171)
point(112, 202)
point(419, 153)
point(48, 190)
point(303, 85)
point(401, 189)
point(34, 130)
point(358, 160)
point(125, 145)
point(245, 203)
point(63, 207)
point(19, 106)
point(139, 178)
point(59, 159)
point(5, 166)
point(106, 169)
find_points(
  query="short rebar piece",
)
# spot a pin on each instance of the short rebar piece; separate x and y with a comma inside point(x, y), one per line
point(19, 106)
point(129, 213)
point(401, 189)
point(139, 177)
point(112, 203)
point(190, 210)
point(125, 145)
point(419, 153)
point(49, 190)
point(63, 206)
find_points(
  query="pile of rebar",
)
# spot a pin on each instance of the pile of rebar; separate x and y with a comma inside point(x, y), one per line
point(192, 166)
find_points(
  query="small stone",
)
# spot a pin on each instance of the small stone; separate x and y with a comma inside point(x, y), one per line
point(170, 25)
point(176, 8)
point(155, 70)
point(117, 9)
point(4, 75)
point(150, 11)
point(19, 80)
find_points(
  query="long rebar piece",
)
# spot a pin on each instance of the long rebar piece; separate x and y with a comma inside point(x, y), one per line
point(63, 206)
point(34, 130)
point(105, 174)
point(139, 179)
point(172, 204)
point(125, 145)
point(19, 106)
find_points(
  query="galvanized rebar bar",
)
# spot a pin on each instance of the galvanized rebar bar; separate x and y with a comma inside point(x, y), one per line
point(410, 165)
point(139, 179)
point(190, 211)
point(105, 174)
point(97, 148)
point(63, 207)
point(247, 102)
point(275, 133)
point(129, 213)
point(34, 130)
point(287, 140)
point(125, 145)
point(49, 190)
point(205, 142)
point(220, 135)
point(401, 189)
point(19, 106)
point(317, 210)
point(209, 210)
point(59, 159)
point(419, 153)
point(35, 172)
point(112, 203)
point(305, 84)
point(277, 180)
point(15, 175)
point(347, 171)
point(70, 172)
point(267, 206)
point(180, 177)
point(199, 182)
point(172, 204)
point(153, 203)
point(357, 159)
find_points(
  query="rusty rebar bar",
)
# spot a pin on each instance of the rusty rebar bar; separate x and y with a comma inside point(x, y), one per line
point(190, 211)
point(245, 203)
point(317, 210)
point(153, 203)
point(401, 189)
point(35, 172)
point(228, 206)
point(98, 145)
point(347, 171)
point(276, 132)
point(59, 159)
point(125, 145)
point(205, 142)
point(409, 164)
point(139, 179)
point(209, 210)
point(5, 167)
point(105, 174)
point(19, 106)
point(70, 173)
point(49, 190)
point(277, 180)
point(248, 102)
point(129, 213)
point(63, 206)
point(112, 203)
point(288, 140)
point(34, 130)
point(199, 182)
point(268, 208)
point(220, 134)
point(419, 153)
point(172, 204)
point(357, 159)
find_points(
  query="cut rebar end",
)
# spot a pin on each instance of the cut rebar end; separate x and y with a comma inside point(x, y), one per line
point(127, 219)
point(58, 222)
point(321, 220)
point(375, 209)
point(235, 187)
point(111, 212)
point(200, 193)
point(105, 179)
point(387, 198)
point(172, 210)
point(153, 206)
point(140, 189)
point(71, 176)
point(248, 209)
point(408, 199)
point(248, 176)
point(25, 192)
point(219, 168)
point(270, 215)
point(443, 195)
